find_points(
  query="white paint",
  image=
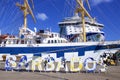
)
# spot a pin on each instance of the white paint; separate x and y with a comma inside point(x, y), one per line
point(69, 55)
point(45, 55)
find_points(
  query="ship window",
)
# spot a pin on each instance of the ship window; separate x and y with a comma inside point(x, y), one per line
point(14, 41)
point(9, 42)
point(25, 42)
point(55, 41)
point(48, 41)
point(55, 35)
point(52, 35)
point(61, 41)
point(51, 41)
point(58, 41)
point(29, 42)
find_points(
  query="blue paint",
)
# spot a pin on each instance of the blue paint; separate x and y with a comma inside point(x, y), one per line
point(59, 50)
point(37, 54)
point(60, 54)
point(91, 33)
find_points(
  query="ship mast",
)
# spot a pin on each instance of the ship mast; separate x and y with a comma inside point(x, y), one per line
point(26, 10)
point(81, 9)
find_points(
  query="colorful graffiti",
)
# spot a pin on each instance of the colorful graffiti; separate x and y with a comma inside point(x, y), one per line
point(49, 64)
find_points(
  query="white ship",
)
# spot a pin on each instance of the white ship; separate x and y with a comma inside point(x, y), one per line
point(80, 36)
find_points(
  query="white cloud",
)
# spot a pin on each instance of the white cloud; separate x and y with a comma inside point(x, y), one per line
point(96, 2)
point(42, 16)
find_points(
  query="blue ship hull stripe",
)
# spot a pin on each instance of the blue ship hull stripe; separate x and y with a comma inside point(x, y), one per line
point(60, 50)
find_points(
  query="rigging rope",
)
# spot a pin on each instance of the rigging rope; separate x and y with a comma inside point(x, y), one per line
point(69, 8)
point(8, 15)
point(53, 4)
point(108, 21)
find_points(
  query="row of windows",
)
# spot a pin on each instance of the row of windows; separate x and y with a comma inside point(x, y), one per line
point(56, 41)
point(18, 42)
point(80, 23)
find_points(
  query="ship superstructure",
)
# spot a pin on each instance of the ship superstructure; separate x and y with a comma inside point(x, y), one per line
point(71, 29)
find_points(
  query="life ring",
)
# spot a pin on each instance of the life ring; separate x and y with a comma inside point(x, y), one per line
point(86, 64)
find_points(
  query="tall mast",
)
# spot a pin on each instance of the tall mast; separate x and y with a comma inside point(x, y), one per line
point(26, 10)
point(81, 9)
point(25, 16)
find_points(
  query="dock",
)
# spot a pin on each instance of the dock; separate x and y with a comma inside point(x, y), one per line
point(113, 73)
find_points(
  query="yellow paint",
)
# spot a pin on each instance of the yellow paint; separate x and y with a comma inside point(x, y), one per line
point(83, 11)
point(72, 64)
point(36, 64)
point(59, 66)
point(51, 66)
point(14, 64)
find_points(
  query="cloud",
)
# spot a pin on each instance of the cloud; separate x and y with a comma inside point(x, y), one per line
point(96, 2)
point(41, 16)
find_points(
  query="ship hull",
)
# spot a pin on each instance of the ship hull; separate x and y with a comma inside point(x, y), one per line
point(68, 50)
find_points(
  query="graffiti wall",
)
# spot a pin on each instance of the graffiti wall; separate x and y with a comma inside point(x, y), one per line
point(49, 64)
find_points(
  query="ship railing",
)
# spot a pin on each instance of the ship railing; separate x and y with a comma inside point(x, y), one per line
point(30, 45)
point(113, 42)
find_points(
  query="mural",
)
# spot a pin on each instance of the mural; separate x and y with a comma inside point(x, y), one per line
point(49, 64)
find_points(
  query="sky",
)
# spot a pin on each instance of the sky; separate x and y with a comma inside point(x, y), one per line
point(49, 12)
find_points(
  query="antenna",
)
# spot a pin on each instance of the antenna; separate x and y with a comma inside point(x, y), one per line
point(83, 11)
point(26, 10)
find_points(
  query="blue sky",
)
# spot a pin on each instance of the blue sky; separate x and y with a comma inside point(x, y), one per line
point(49, 12)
